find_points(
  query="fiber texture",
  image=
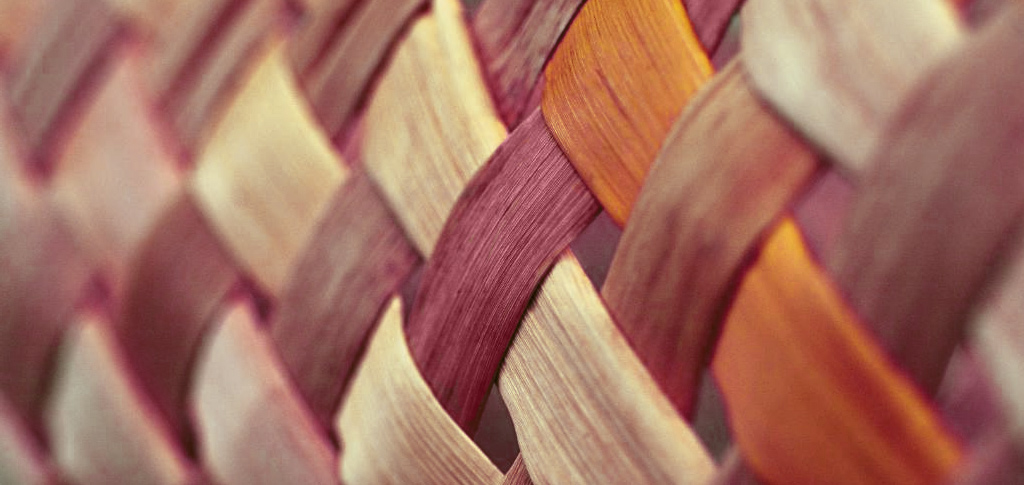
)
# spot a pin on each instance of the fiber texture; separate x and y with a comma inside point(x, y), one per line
point(511, 241)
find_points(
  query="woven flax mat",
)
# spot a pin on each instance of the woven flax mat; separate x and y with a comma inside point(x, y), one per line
point(511, 241)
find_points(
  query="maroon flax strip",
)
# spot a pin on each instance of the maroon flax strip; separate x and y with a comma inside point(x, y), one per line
point(100, 428)
point(319, 22)
point(207, 81)
point(43, 274)
point(175, 287)
point(516, 215)
point(187, 41)
point(338, 82)
point(515, 39)
point(357, 259)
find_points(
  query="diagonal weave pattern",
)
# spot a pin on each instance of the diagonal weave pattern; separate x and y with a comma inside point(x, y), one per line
point(301, 241)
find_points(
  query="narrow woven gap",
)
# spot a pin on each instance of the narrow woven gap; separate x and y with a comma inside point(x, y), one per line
point(471, 6)
point(821, 212)
point(263, 305)
point(967, 400)
point(710, 421)
point(729, 45)
point(595, 247)
point(409, 290)
point(496, 435)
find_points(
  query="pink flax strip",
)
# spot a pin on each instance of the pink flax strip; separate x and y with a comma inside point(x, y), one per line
point(952, 164)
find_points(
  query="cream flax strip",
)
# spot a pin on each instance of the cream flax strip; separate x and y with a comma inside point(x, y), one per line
point(393, 430)
point(117, 174)
point(842, 68)
point(252, 423)
point(585, 408)
point(99, 426)
point(430, 125)
point(267, 173)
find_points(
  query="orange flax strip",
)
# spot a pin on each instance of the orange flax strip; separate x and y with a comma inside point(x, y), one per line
point(356, 260)
point(727, 170)
point(953, 165)
point(915, 150)
point(479, 280)
point(620, 77)
point(792, 354)
point(516, 38)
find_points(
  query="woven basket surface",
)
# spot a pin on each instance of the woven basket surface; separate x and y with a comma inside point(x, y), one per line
point(511, 241)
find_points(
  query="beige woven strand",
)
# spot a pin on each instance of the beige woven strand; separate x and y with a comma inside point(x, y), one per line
point(842, 68)
point(100, 428)
point(431, 124)
point(267, 173)
point(252, 424)
point(393, 430)
point(585, 408)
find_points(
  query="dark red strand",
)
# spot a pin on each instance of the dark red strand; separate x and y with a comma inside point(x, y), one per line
point(359, 258)
point(515, 217)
